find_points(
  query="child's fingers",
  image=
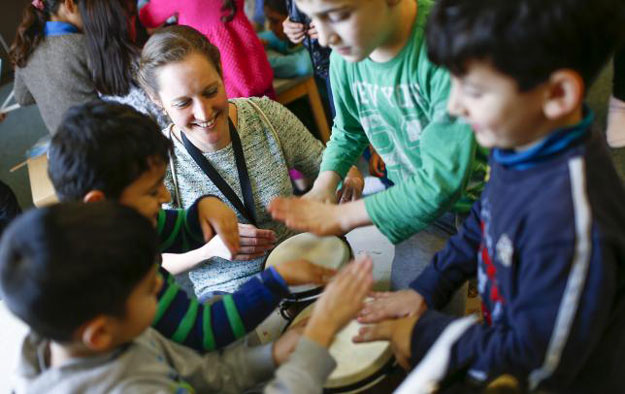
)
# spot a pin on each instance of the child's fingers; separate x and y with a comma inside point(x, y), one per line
point(254, 249)
point(372, 314)
point(292, 26)
point(347, 195)
point(321, 275)
point(248, 257)
point(207, 230)
point(279, 207)
point(229, 234)
point(376, 332)
point(252, 236)
point(300, 324)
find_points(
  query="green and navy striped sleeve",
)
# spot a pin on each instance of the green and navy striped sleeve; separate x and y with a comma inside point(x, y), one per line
point(179, 230)
point(209, 327)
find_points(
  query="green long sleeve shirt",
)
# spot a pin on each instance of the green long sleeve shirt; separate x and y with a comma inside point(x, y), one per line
point(399, 106)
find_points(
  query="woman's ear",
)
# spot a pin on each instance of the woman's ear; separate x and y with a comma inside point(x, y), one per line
point(97, 334)
point(564, 94)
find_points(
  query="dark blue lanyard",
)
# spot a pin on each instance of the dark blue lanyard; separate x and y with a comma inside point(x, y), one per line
point(246, 208)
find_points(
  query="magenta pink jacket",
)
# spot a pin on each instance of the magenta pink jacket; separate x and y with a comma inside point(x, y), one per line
point(245, 66)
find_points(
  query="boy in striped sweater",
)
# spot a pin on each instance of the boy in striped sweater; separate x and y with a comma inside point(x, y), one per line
point(110, 151)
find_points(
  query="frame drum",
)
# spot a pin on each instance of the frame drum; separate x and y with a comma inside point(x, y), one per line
point(359, 366)
point(330, 252)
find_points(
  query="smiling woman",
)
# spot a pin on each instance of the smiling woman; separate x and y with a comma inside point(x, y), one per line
point(239, 150)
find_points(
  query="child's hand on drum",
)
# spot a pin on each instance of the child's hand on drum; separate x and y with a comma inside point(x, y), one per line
point(303, 272)
point(286, 344)
point(340, 301)
point(216, 217)
point(398, 332)
point(392, 305)
point(309, 215)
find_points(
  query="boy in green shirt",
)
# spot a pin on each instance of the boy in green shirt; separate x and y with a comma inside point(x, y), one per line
point(387, 93)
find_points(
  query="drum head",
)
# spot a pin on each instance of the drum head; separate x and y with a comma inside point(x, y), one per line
point(356, 363)
point(329, 252)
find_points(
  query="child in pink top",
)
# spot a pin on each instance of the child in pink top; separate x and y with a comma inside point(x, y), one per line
point(246, 70)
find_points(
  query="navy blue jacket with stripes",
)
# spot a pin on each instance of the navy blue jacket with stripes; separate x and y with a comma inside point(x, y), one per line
point(547, 243)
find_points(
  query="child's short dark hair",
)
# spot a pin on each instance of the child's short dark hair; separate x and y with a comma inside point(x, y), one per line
point(526, 39)
point(64, 265)
point(9, 207)
point(103, 146)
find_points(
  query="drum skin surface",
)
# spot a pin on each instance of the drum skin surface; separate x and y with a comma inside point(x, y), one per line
point(329, 252)
point(356, 362)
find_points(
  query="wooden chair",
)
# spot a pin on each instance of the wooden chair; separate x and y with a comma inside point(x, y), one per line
point(289, 90)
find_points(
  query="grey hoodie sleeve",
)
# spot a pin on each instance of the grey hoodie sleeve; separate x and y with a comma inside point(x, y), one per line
point(305, 372)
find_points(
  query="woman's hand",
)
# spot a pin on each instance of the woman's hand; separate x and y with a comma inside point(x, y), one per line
point(303, 272)
point(255, 242)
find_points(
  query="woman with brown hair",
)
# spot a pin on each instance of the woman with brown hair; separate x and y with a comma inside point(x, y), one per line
point(239, 150)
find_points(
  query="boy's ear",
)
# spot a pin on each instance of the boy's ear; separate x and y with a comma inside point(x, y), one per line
point(565, 93)
point(97, 334)
point(94, 196)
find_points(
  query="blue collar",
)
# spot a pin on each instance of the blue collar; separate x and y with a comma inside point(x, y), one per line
point(58, 29)
point(556, 142)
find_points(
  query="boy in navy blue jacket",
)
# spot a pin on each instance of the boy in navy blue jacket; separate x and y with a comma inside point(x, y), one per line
point(547, 238)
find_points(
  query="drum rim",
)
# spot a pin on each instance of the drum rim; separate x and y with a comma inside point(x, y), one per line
point(315, 292)
point(341, 387)
point(374, 378)
point(308, 295)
